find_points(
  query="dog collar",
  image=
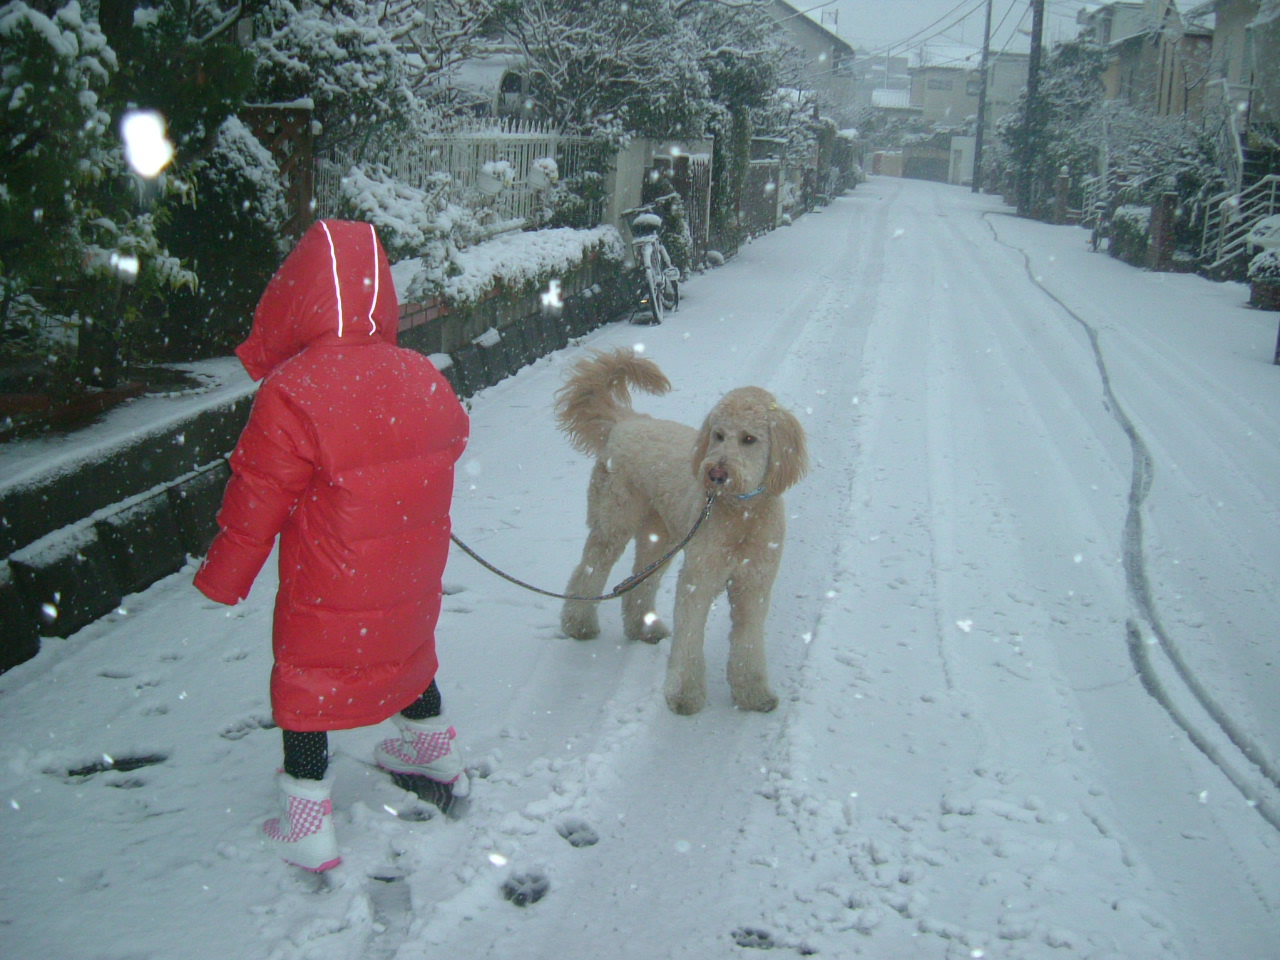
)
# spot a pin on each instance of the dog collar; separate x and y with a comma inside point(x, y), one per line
point(754, 493)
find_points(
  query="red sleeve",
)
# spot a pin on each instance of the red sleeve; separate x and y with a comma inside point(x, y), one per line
point(270, 468)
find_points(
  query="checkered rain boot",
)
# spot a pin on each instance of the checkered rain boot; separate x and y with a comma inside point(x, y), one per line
point(304, 836)
point(424, 749)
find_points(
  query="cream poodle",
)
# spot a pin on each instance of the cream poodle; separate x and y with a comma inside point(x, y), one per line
point(650, 483)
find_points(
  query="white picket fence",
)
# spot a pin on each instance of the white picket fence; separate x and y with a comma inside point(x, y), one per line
point(461, 154)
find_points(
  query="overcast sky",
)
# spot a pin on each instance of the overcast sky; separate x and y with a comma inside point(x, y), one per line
point(875, 24)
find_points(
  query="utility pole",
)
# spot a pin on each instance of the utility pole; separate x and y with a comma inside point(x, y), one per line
point(1031, 122)
point(982, 104)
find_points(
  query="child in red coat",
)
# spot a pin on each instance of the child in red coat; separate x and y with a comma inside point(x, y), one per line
point(348, 456)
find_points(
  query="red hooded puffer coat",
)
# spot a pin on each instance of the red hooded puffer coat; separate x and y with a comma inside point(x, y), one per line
point(348, 456)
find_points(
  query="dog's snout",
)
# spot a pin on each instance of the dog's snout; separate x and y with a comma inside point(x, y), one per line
point(718, 474)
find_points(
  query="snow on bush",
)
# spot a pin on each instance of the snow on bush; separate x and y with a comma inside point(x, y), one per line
point(1134, 218)
point(514, 261)
point(407, 218)
point(1130, 233)
point(1265, 267)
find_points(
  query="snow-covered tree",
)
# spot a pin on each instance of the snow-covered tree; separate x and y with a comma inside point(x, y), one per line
point(79, 255)
point(340, 57)
point(745, 59)
point(611, 68)
point(231, 235)
point(1061, 133)
point(375, 72)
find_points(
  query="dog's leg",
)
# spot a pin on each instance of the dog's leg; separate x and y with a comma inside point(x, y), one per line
point(686, 686)
point(639, 611)
point(749, 590)
point(609, 526)
point(580, 618)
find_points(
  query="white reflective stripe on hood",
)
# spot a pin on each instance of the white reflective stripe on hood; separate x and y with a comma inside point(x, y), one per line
point(333, 261)
point(337, 285)
point(373, 243)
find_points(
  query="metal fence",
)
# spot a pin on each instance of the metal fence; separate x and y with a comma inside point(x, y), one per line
point(462, 154)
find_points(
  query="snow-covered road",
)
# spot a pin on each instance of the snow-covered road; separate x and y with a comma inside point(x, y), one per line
point(1025, 637)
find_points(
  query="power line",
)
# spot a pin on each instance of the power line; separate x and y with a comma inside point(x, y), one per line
point(909, 40)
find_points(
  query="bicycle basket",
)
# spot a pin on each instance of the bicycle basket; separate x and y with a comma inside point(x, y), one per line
point(646, 224)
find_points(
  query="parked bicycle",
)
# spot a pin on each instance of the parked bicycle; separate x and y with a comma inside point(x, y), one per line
point(658, 278)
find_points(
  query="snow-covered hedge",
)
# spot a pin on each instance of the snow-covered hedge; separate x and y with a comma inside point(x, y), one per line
point(1265, 267)
point(1130, 233)
point(514, 261)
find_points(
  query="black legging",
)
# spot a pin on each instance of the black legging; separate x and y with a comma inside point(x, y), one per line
point(306, 753)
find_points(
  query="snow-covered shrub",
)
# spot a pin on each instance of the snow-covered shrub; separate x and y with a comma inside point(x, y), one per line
point(573, 201)
point(515, 261)
point(1130, 233)
point(418, 224)
point(1265, 267)
point(1264, 280)
point(407, 218)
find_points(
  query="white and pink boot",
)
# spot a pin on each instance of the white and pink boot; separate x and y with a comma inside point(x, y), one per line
point(304, 835)
point(424, 749)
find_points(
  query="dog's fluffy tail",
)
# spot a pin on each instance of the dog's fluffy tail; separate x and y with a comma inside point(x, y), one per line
point(597, 395)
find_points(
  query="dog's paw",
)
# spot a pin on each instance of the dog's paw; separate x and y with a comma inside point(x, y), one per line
point(760, 699)
point(686, 702)
point(580, 623)
point(652, 630)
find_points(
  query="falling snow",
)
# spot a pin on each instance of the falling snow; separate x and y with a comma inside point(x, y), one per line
point(967, 760)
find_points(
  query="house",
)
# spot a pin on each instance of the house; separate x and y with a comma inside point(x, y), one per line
point(946, 87)
point(1156, 61)
point(828, 61)
point(1244, 70)
point(876, 73)
point(1242, 112)
point(946, 95)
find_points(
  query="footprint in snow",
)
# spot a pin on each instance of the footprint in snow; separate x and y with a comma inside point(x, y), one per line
point(121, 764)
point(754, 938)
point(242, 728)
point(523, 889)
point(579, 833)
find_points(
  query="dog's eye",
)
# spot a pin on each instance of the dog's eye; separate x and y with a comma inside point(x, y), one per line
point(748, 439)
point(718, 435)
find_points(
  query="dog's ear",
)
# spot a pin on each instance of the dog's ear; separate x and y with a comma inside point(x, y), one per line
point(788, 453)
point(700, 446)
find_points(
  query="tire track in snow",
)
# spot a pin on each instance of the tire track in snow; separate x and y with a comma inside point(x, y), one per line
point(1139, 586)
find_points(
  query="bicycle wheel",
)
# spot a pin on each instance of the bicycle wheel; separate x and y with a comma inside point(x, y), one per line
point(670, 287)
point(656, 283)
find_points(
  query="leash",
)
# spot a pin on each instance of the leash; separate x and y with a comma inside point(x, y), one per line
point(630, 583)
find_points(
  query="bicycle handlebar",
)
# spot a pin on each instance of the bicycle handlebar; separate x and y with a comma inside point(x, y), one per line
point(648, 207)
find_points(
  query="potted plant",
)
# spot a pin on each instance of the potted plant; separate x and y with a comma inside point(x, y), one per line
point(544, 173)
point(495, 176)
point(1264, 280)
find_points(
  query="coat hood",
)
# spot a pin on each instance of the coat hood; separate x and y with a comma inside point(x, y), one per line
point(335, 286)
